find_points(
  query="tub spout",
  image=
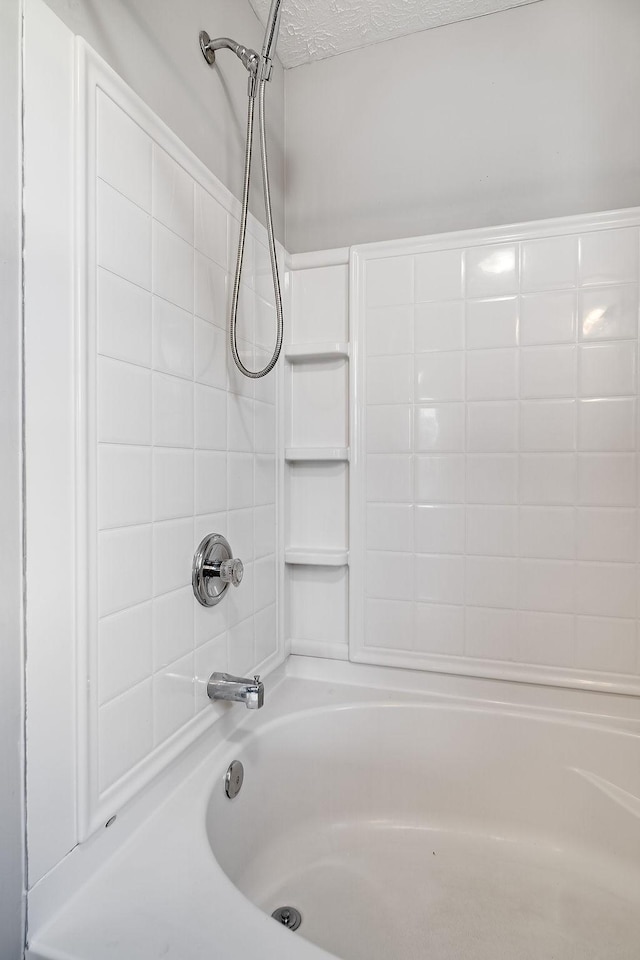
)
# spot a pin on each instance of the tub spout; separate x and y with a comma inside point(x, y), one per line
point(222, 686)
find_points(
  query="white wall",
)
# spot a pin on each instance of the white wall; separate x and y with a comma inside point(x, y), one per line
point(11, 683)
point(154, 47)
point(521, 115)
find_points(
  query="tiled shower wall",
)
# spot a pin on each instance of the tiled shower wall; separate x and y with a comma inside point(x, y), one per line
point(185, 446)
point(500, 442)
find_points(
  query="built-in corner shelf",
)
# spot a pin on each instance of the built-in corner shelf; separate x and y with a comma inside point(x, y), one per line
point(317, 558)
point(316, 453)
point(308, 352)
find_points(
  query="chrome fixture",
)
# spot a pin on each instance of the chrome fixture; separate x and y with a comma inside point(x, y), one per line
point(222, 686)
point(233, 779)
point(250, 58)
point(288, 916)
point(214, 568)
point(259, 67)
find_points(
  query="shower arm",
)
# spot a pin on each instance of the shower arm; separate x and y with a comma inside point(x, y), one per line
point(259, 67)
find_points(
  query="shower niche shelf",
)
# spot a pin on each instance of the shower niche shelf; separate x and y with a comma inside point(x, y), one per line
point(316, 386)
point(310, 352)
point(316, 454)
point(317, 558)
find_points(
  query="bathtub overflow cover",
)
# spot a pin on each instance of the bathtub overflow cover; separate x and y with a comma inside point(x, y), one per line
point(288, 917)
point(233, 779)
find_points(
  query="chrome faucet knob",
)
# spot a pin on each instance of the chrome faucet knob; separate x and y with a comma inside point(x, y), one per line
point(214, 568)
point(232, 571)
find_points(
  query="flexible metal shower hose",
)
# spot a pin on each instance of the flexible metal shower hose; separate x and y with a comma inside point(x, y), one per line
point(233, 322)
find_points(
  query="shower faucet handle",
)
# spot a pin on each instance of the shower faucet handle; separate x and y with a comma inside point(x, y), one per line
point(231, 571)
point(214, 568)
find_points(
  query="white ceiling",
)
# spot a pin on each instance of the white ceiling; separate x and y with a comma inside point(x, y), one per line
point(315, 29)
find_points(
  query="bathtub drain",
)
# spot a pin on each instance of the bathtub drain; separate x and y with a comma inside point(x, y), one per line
point(288, 917)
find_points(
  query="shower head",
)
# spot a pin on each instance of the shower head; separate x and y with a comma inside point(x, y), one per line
point(273, 27)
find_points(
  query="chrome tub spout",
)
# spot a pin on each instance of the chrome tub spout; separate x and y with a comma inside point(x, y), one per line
point(222, 686)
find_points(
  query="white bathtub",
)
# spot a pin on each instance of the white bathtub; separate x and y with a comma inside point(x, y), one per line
point(400, 820)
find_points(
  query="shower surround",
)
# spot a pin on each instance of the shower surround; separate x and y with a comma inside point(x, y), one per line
point(492, 485)
point(497, 452)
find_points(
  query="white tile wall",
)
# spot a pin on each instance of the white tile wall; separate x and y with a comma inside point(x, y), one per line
point(500, 437)
point(184, 448)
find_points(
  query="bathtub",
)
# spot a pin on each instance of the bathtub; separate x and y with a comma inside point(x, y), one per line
point(403, 815)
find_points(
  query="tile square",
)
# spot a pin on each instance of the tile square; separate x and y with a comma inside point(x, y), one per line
point(172, 483)
point(439, 529)
point(492, 374)
point(123, 154)
point(609, 313)
point(549, 264)
point(439, 376)
point(609, 256)
point(124, 485)
point(210, 227)
point(548, 533)
point(548, 318)
point(491, 323)
point(607, 479)
point(389, 281)
point(439, 326)
point(172, 411)
point(548, 426)
point(492, 270)
point(388, 429)
point(124, 650)
point(492, 531)
point(491, 582)
point(124, 319)
point(440, 428)
point(438, 275)
point(124, 568)
point(492, 427)
point(548, 372)
point(492, 478)
point(123, 237)
point(608, 369)
point(124, 402)
point(440, 579)
point(548, 478)
point(172, 268)
point(172, 339)
point(440, 479)
point(125, 731)
point(607, 425)
point(389, 380)
point(389, 331)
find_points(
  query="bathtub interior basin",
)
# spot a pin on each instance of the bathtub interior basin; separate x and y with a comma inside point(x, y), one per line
point(424, 830)
point(404, 815)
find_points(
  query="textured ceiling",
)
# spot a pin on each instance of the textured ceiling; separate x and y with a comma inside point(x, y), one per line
point(315, 29)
